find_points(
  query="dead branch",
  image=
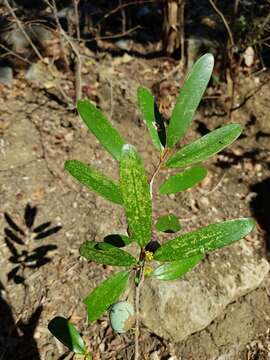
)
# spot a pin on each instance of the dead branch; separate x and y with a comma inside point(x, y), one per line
point(225, 22)
point(78, 61)
point(20, 26)
point(13, 53)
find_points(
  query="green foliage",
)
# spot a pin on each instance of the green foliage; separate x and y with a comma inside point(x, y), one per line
point(205, 147)
point(105, 295)
point(203, 240)
point(117, 240)
point(183, 181)
point(67, 334)
point(189, 99)
point(94, 180)
point(107, 255)
point(168, 224)
point(176, 269)
point(153, 118)
point(135, 194)
point(101, 128)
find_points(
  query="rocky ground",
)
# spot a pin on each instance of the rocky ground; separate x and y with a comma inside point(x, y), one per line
point(220, 310)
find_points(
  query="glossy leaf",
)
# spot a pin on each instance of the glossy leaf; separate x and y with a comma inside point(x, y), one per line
point(183, 181)
point(153, 118)
point(205, 147)
point(67, 334)
point(168, 224)
point(105, 294)
point(176, 269)
point(204, 239)
point(189, 99)
point(97, 123)
point(94, 180)
point(117, 240)
point(136, 195)
point(108, 255)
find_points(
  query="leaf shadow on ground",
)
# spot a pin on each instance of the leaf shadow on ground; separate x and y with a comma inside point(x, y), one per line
point(260, 208)
point(16, 337)
point(20, 240)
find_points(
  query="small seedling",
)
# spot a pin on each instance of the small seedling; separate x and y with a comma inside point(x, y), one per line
point(134, 192)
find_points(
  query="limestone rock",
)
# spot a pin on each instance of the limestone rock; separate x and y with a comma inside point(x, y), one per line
point(176, 309)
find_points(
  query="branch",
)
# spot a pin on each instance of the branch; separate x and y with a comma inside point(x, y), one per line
point(20, 26)
point(11, 52)
point(78, 64)
point(225, 22)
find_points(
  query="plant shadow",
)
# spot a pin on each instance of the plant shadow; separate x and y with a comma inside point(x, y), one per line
point(19, 239)
point(260, 208)
point(16, 337)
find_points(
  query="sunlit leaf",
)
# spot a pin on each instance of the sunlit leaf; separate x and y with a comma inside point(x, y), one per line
point(168, 224)
point(204, 239)
point(183, 181)
point(108, 255)
point(206, 146)
point(97, 123)
point(105, 294)
point(136, 195)
point(189, 99)
point(176, 269)
point(152, 117)
point(94, 180)
point(67, 334)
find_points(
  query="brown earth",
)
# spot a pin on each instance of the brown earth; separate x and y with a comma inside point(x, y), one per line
point(37, 135)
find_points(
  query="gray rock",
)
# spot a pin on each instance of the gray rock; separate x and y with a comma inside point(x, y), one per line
point(176, 309)
point(6, 75)
point(39, 74)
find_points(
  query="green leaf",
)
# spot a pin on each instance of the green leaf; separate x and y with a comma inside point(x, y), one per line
point(205, 239)
point(97, 123)
point(108, 255)
point(67, 334)
point(136, 195)
point(105, 294)
point(183, 181)
point(168, 224)
point(205, 147)
point(94, 180)
point(189, 99)
point(117, 240)
point(153, 118)
point(176, 269)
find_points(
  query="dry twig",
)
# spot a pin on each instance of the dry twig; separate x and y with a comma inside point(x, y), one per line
point(78, 62)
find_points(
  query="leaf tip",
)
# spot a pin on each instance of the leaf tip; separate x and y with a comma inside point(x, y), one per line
point(210, 59)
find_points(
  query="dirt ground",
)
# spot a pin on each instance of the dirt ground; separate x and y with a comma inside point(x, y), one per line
point(41, 273)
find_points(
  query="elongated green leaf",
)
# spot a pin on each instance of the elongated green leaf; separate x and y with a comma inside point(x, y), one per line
point(136, 195)
point(67, 334)
point(205, 147)
point(108, 255)
point(168, 224)
point(176, 269)
point(152, 117)
point(189, 99)
point(94, 180)
point(105, 294)
point(205, 239)
point(183, 181)
point(97, 123)
point(117, 240)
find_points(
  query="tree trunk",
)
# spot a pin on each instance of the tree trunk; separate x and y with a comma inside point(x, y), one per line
point(173, 26)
